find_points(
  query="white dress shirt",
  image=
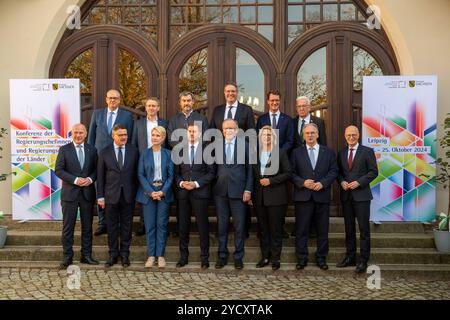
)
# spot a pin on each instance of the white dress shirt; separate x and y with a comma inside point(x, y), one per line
point(233, 110)
point(150, 125)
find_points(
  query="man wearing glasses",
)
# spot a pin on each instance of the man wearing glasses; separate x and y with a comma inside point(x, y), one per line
point(100, 134)
point(303, 106)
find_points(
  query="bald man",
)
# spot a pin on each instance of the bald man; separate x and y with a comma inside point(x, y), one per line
point(100, 130)
point(76, 166)
point(357, 168)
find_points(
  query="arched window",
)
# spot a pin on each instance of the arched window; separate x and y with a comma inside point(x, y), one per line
point(194, 77)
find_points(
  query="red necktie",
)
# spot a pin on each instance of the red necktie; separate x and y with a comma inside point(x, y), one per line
point(350, 159)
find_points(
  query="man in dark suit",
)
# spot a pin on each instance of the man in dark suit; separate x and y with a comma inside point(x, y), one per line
point(142, 137)
point(99, 136)
point(278, 120)
point(243, 115)
point(181, 120)
point(117, 186)
point(314, 170)
point(357, 168)
point(76, 166)
point(303, 117)
point(193, 181)
point(233, 109)
point(231, 192)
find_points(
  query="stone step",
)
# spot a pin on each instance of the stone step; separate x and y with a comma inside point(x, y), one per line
point(388, 271)
point(379, 240)
point(252, 254)
point(336, 225)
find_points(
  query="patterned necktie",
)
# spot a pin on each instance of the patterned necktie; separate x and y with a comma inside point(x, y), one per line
point(312, 158)
point(230, 115)
point(120, 158)
point(80, 155)
point(110, 122)
point(350, 159)
point(192, 155)
point(229, 160)
point(301, 131)
point(274, 120)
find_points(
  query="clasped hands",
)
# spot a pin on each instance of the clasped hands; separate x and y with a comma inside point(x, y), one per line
point(156, 195)
point(352, 185)
point(188, 185)
point(310, 184)
point(83, 182)
point(264, 182)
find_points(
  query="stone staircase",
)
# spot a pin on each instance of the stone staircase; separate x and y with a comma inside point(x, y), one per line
point(397, 248)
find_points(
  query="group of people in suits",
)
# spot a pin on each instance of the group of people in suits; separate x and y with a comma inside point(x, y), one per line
point(140, 167)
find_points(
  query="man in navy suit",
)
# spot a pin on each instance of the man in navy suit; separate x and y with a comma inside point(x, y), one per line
point(76, 166)
point(243, 115)
point(142, 137)
point(303, 106)
point(99, 136)
point(278, 120)
point(232, 191)
point(314, 170)
point(193, 180)
point(117, 186)
point(357, 168)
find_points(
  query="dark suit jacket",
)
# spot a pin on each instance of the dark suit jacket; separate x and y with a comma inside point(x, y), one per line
point(364, 170)
point(244, 117)
point(110, 179)
point(275, 194)
point(285, 129)
point(234, 179)
point(140, 136)
point(325, 172)
point(67, 168)
point(98, 129)
point(322, 132)
point(146, 174)
point(179, 121)
point(203, 173)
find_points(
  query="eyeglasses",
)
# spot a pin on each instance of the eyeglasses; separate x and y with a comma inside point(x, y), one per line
point(113, 98)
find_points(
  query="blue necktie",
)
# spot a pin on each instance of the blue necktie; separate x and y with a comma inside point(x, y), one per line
point(110, 122)
point(192, 155)
point(312, 158)
point(229, 160)
point(80, 155)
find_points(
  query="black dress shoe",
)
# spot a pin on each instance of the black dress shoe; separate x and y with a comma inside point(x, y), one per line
point(276, 265)
point(100, 231)
point(322, 265)
point(293, 234)
point(346, 263)
point(65, 263)
point(88, 260)
point(181, 263)
point(262, 263)
point(301, 265)
point(361, 267)
point(222, 262)
point(111, 261)
point(238, 265)
point(125, 262)
point(285, 234)
point(205, 265)
point(175, 234)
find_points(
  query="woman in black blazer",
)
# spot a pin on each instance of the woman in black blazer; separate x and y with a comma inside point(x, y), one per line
point(271, 174)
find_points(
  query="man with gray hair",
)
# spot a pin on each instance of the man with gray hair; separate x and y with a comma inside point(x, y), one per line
point(303, 107)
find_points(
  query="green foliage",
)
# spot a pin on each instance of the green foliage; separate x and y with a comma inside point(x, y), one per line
point(443, 221)
point(444, 167)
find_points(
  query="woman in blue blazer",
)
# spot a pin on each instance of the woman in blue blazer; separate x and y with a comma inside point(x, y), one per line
point(155, 173)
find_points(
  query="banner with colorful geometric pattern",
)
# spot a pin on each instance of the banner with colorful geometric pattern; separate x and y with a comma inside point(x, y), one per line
point(42, 114)
point(399, 122)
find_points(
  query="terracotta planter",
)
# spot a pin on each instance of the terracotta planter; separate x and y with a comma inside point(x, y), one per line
point(442, 240)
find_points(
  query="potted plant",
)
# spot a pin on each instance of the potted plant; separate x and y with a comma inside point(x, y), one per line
point(3, 230)
point(442, 232)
